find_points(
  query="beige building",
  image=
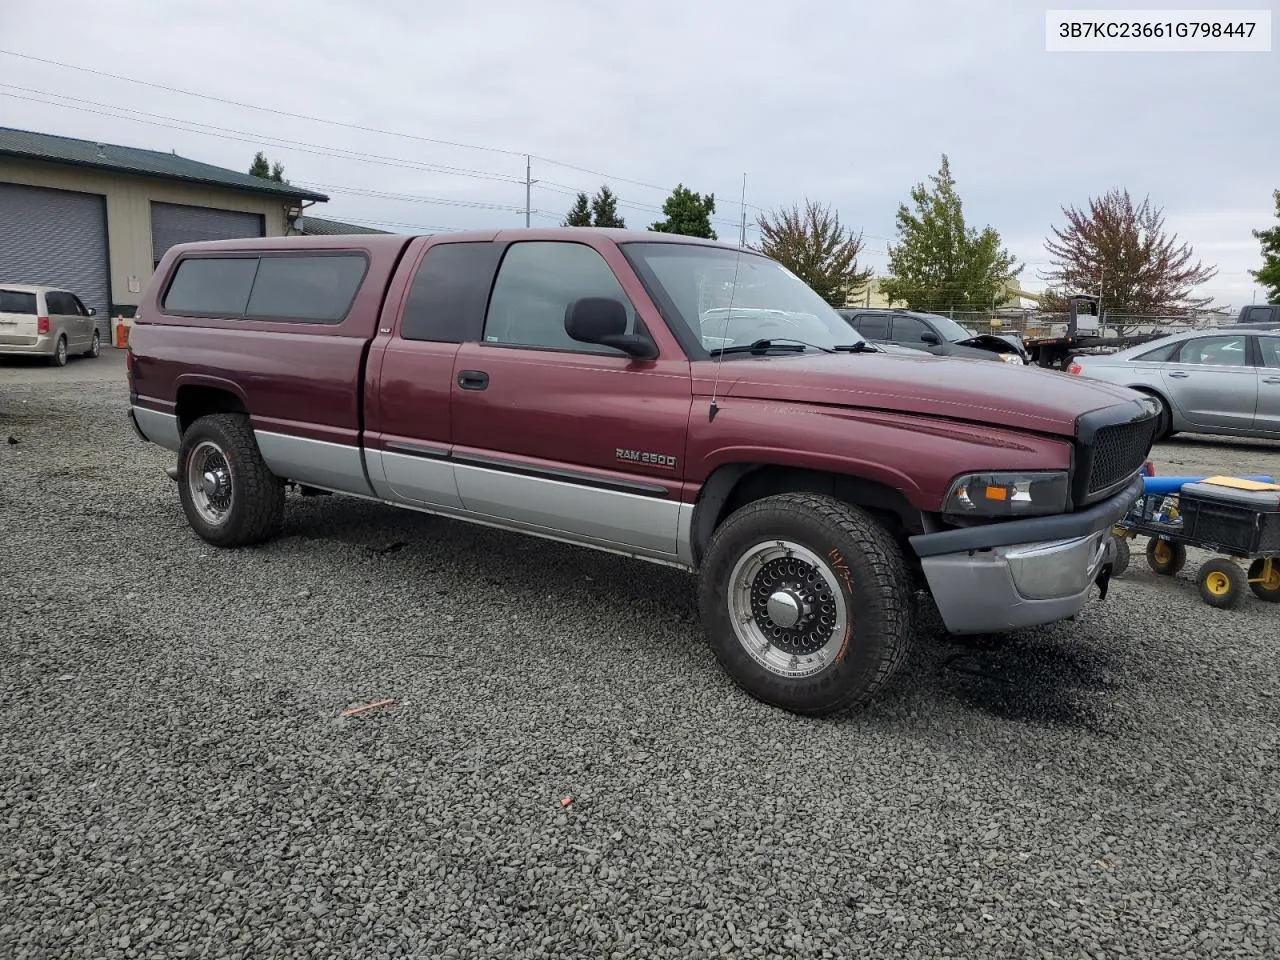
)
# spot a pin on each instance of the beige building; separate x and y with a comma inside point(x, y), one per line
point(96, 218)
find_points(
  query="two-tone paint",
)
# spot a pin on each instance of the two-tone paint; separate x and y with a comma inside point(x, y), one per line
point(541, 441)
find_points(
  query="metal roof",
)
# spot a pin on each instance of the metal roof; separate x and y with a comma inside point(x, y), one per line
point(320, 227)
point(29, 145)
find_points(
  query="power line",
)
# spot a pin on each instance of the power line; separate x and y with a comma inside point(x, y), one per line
point(258, 106)
point(335, 123)
point(245, 136)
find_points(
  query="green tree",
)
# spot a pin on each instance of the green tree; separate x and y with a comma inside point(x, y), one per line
point(604, 209)
point(813, 245)
point(1120, 251)
point(580, 213)
point(687, 213)
point(267, 171)
point(940, 263)
point(1269, 275)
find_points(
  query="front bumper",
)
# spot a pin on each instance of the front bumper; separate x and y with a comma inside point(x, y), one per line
point(1020, 573)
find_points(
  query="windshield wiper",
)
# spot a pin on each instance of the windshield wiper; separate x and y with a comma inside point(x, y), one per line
point(862, 346)
point(788, 344)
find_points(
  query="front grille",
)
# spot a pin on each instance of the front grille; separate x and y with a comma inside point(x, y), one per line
point(1117, 451)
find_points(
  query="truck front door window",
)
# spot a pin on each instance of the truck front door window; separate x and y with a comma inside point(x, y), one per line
point(537, 281)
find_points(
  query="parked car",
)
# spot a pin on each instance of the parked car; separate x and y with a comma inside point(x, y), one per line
point(558, 382)
point(932, 333)
point(46, 322)
point(1224, 381)
point(1264, 316)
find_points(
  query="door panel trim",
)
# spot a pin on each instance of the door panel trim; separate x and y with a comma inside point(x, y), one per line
point(428, 450)
point(575, 477)
point(414, 479)
point(621, 519)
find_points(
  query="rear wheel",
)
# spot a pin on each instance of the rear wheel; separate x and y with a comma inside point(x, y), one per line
point(59, 358)
point(1166, 557)
point(1164, 425)
point(1121, 562)
point(230, 497)
point(1264, 579)
point(806, 602)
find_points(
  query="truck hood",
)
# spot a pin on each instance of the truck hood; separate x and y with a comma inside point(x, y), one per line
point(993, 342)
point(1017, 396)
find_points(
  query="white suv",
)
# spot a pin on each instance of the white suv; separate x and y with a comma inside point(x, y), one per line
point(46, 322)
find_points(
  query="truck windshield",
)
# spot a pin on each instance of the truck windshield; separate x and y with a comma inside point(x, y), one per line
point(765, 301)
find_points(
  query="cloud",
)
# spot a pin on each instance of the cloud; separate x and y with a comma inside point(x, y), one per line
point(849, 104)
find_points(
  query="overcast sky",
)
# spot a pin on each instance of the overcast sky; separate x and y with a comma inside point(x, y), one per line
point(848, 103)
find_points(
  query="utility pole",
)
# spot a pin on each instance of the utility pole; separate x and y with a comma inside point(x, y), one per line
point(528, 188)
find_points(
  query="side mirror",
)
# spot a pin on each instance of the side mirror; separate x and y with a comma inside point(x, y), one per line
point(930, 337)
point(603, 320)
point(93, 311)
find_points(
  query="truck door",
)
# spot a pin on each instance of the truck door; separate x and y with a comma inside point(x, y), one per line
point(563, 437)
point(409, 386)
point(1213, 382)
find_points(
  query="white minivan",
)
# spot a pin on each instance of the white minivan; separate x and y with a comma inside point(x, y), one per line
point(46, 322)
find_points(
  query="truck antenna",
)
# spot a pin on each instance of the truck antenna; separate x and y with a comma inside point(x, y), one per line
point(733, 290)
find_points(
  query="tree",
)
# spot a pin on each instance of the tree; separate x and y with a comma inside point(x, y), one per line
point(579, 213)
point(604, 209)
point(267, 171)
point(940, 263)
point(687, 213)
point(1269, 275)
point(1121, 252)
point(813, 245)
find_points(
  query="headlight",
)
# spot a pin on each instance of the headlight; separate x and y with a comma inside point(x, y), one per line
point(1010, 358)
point(1007, 494)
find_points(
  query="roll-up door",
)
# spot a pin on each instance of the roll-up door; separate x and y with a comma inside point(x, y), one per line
point(172, 223)
point(57, 238)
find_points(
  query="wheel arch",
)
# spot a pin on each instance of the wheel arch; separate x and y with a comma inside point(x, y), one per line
point(199, 397)
point(734, 485)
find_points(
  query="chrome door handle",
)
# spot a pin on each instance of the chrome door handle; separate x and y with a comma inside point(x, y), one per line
point(1179, 374)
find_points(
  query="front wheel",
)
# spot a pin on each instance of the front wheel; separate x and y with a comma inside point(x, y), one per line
point(806, 602)
point(95, 345)
point(230, 497)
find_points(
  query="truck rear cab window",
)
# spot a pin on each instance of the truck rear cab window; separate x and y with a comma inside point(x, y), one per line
point(211, 286)
point(315, 288)
point(447, 300)
point(537, 281)
point(17, 301)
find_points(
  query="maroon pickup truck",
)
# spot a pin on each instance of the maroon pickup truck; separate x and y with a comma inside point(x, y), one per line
point(671, 399)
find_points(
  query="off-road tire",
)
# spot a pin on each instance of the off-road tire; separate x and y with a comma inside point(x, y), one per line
point(1168, 560)
point(1265, 590)
point(1220, 582)
point(873, 584)
point(256, 510)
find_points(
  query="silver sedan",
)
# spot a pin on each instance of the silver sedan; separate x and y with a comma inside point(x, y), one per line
point(1208, 381)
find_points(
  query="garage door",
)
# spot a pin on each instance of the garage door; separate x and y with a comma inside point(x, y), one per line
point(172, 223)
point(59, 239)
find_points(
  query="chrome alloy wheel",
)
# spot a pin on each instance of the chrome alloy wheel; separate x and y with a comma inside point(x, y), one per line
point(787, 608)
point(209, 482)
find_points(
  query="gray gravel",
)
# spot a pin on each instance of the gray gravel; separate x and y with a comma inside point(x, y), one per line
point(177, 781)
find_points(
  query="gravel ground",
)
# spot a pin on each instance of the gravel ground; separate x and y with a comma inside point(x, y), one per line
point(177, 781)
